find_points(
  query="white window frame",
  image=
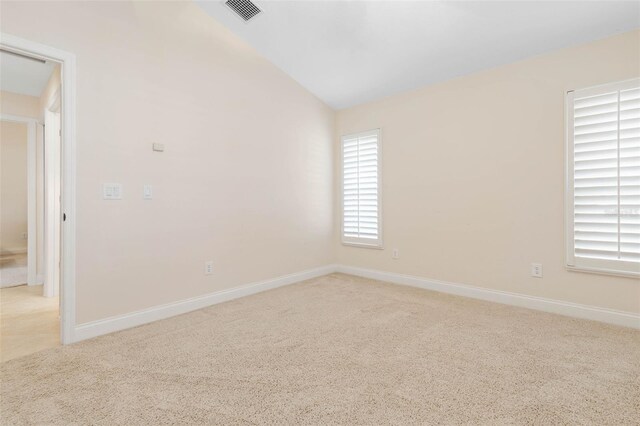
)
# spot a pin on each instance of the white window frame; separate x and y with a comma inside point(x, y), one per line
point(354, 241)
point(573, 262)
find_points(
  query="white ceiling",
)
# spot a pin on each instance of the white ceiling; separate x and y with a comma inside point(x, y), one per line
point(24, 76)
point(351, 52)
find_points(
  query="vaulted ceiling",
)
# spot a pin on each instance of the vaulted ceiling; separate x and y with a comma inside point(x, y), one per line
point(351, 52)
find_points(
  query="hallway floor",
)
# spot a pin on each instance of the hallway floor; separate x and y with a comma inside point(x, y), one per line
point(29, 322)
point(13, 269)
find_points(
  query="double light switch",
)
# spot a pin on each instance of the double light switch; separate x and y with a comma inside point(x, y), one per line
point(113, 191)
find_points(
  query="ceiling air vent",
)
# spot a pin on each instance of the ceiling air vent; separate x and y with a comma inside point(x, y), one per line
point(244, 8)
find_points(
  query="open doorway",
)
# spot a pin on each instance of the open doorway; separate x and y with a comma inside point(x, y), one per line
point(30, 207)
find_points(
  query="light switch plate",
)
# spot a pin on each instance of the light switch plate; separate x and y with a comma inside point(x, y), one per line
point(112, 191)
point(148, 192)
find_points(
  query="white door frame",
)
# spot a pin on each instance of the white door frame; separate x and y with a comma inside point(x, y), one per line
point(52, 178)
point(68, 187)
point(31, 124)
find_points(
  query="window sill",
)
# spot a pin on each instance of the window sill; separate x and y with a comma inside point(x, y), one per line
point(603, 271)
point(364, 245)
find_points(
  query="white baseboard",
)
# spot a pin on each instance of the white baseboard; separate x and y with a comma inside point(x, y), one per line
point(134, 319)
point(626, 319)
point(19, 250)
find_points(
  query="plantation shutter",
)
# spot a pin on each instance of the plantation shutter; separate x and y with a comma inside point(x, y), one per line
point(604, 138)
point(361, 189)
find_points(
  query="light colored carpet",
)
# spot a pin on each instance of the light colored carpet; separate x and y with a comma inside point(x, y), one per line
point(337, 350)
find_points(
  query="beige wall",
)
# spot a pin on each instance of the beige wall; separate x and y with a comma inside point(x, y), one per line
point(20, 105)
point(13, 186)
point(246, 176)
point(473, 173)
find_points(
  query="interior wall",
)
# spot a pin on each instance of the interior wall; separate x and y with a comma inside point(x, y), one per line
point(246, 176)
point(20, 105)
point(473, 176)
point(13, 187)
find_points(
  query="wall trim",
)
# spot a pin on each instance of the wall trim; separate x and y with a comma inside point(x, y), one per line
point(155, 313)
point(145, 316)
point(20, 250)
point(594, 313)
point(68, 160)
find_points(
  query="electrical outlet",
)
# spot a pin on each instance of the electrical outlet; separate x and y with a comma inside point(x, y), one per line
point(208, 267)
point(395, 254)
point(536, 270)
